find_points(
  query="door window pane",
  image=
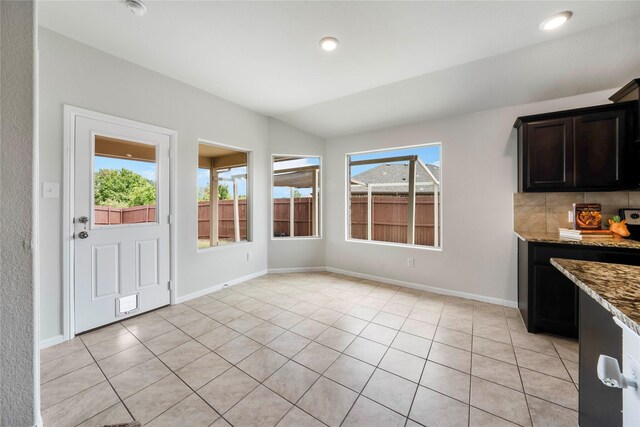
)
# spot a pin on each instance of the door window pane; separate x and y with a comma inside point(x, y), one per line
point(223, 218)
point(124, 182)
point(296, 196)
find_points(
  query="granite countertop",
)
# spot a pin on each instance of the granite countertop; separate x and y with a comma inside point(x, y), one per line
point(555, 238)
point(616, 287)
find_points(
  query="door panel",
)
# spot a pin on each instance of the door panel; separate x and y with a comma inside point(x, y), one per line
point(147, 263)
point(121, 185)
point(106, 271)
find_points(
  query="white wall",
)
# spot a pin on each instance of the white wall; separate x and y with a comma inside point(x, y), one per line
point(296, 253)
point(19, 384)
point(479, 176)
point(73, 73)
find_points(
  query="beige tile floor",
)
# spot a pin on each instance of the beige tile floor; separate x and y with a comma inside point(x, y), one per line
point(312, 350)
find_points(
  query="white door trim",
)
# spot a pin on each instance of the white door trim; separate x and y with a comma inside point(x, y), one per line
point(70, 114)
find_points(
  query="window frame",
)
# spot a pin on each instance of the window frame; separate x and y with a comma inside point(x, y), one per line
point(320, 235)
point(250, 201)
point(347, 199)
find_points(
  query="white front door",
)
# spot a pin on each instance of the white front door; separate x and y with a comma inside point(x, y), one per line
point(121, 221)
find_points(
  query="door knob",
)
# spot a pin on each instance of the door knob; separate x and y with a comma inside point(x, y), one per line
point(83, 220)
point(83, 235)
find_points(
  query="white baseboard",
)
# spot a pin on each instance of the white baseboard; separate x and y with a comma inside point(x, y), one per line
point(435, 290)
point(220, 286)
point(52, 341)
point(297, 270)
point(411, 285)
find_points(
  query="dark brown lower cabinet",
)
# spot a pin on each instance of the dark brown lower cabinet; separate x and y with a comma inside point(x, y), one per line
point(557, 307)
point(599, 405)
point(547, 300)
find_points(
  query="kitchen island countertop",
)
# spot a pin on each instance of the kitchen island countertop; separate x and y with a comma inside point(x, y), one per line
point(616, 287)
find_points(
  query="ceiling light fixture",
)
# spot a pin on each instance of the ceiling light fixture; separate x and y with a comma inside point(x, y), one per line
point(555, 21)
point(329, 43)
point(136, 7)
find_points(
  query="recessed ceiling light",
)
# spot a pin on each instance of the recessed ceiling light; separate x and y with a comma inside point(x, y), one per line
point(555, 21)
point(136, 7)
point(329, 43)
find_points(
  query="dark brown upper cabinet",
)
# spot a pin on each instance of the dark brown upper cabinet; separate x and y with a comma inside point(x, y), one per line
point(587, 149)
point(548, 153)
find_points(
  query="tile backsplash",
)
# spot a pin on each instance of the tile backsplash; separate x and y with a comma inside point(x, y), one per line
point(546, 212)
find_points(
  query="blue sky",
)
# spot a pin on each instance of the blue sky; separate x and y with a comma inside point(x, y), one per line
point(203, 179)
point(146, 169)
point(429, 154)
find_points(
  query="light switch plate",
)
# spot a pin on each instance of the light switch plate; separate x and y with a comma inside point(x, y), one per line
point(50, 190)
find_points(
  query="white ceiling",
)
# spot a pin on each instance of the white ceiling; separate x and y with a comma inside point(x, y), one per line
point(265, 55)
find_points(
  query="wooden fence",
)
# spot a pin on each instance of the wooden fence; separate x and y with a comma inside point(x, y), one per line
point(302, 216)
point(389, 218)
point(225, 220)
point(105, 215)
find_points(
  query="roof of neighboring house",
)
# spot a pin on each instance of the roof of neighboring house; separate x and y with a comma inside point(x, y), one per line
point(394, 173)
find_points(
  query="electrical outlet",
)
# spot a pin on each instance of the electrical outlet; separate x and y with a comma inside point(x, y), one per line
point(249, 256)
point(411, 262)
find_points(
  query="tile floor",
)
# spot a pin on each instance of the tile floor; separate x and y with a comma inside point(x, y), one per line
point(312, 350)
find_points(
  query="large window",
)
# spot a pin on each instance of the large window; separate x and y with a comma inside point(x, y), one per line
point(223, 214)
point(296, 196)
point(395, 196)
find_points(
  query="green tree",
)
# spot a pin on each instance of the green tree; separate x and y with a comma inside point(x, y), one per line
point(223, 193)
point(203, 194)
point(123, 188)
point(296, 193)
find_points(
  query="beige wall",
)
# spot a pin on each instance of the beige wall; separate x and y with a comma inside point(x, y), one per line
point(546, 212)
point(479, 177)
point(19, 388)
point(295, 254)
point(76, 74)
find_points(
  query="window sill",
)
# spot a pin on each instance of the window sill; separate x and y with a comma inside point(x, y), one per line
point(219, 247)
point(397, 245)
point(296, 238)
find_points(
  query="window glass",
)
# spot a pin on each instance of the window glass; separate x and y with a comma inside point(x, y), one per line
point(124, 182)
point(223, 218)
point(296, 196)
point(395, 195)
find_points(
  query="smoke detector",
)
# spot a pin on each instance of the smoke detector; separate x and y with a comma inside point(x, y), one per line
point(136, 7)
